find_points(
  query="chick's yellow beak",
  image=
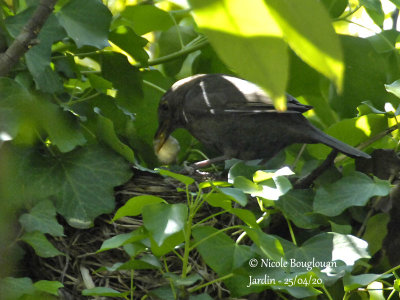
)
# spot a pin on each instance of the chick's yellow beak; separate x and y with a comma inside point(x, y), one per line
point(161, 135)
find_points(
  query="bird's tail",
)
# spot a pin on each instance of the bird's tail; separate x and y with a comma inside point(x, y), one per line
point(339, 145)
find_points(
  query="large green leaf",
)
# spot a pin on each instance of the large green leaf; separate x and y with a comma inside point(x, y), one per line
point(332, 253)
point(145, 18)
point(42, 217)
point(375, 11)
point(107, 134)
point(171, 41)
point(220, 252)
point(13, 97)
point(269, 245)
point(80, 182)
point(335, 7)
point(352, 282)
point(312, 37)
point(12, 288)
point(61, 126)
point(38, 57)
point(297, 206)
point(134, 206)
point(164, 220)
point(248, 40)
point(40, 243)
point(47, 286)
point(365, 77)
point(376, 231)
point(130, 42)
point(86, 22)
point(352, 190)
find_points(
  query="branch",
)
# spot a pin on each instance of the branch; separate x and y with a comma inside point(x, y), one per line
point(27, 37)
point(306, 181)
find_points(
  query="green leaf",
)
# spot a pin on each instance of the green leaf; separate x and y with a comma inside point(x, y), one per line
point(123, 239)
point(274, 184)
point(376, 231)
point(311, 37)
point(328, 248)
point(219, 200)
point(13, 97)
point(107, 134)
point(145, 262)
point(200, 297)
point(375, 11)
point(352, 282)
point(134, 206)
point(42, 217)
point(394, 88)
point(246, 185)
point(47, 286)
point(62, 126)
point(126, 39)
point(235, 195)
point(169, 244)
point(297, 206)
point(352, 190)
point(38, 57)
point(247, 32)
point(163, 220)
point(104, 291)
point(171, 41)
point(40, 244)
point(220, 252)
point(367, 84)
point(335, 7)
point(246, 216)
point(268, 244)
point(145, 18)
point(339, 228)
point(182, 178)
point(86, 22)
point(99, 83)
point(81, 183)
point(375, 290)
point(12, 288)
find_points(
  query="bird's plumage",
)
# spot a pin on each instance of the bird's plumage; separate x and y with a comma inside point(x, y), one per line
point(238, 119)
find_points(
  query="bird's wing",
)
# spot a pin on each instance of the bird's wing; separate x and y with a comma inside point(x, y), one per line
point(238, 103)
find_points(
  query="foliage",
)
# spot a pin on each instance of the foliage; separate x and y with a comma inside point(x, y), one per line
point(79, 109)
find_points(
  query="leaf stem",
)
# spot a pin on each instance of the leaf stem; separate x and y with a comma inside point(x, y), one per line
point(189, 48)
point(196, 288)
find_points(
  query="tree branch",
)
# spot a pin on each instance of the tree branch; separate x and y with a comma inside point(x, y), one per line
point(27, 37)
point(306, 181)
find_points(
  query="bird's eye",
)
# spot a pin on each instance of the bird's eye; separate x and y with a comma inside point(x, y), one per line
point(164, 106)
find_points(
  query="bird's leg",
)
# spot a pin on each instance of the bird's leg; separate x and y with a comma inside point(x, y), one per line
point(306, 181)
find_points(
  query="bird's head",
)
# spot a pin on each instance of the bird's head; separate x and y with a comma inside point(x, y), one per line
point(169, 117)
point(171, 113)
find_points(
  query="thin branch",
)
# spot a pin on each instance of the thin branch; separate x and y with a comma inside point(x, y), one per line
point(26, 38)
point(306, 181)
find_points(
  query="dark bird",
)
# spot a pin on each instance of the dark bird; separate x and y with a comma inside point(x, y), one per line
point(237, 118)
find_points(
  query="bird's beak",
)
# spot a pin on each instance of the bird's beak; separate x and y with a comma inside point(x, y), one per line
point(162, 134)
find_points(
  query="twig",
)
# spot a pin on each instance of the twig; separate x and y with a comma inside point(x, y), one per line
point(306, 181)
point(27, 37)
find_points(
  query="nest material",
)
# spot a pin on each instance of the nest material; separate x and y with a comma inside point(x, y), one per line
point(77, 270)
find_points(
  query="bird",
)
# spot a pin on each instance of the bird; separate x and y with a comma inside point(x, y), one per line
point(237, 119)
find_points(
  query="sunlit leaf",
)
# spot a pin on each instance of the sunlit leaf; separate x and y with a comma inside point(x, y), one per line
point(352, 190)
point(245, 32)
point(311, 37)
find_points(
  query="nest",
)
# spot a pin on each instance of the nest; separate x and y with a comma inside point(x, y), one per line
point(78, 269)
